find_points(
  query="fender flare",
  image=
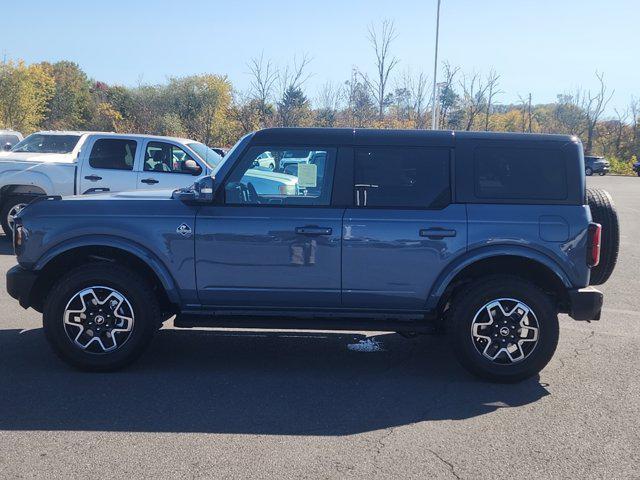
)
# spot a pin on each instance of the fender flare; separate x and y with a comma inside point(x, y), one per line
point(483, 253)
point(129, 246)
point(26, 178)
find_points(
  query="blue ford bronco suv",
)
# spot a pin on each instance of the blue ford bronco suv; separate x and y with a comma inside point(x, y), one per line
point(484, 236)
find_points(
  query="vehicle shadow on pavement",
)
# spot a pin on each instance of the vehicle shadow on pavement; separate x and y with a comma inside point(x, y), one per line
point(272, 383)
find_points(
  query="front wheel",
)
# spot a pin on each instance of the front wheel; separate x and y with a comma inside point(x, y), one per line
point(100, 317)
point(504, 329)
point(11, 207)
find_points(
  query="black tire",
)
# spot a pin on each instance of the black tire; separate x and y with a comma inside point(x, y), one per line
point(603, 211)
point(467, 304)
point(135, 289)
point(8, 204)
point(588, 171)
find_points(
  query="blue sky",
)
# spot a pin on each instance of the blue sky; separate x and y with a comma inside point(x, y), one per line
point(544, 47)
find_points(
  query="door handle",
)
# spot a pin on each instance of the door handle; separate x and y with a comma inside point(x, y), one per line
point(313, 230)
point(149, 181)
point(437, 233)
point(93, 178)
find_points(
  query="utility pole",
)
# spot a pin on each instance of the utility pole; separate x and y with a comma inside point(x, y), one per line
point(435, 72)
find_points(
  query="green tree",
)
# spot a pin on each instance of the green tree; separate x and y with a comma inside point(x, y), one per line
point(293, 108)
point(70, 107)
point(24, 95)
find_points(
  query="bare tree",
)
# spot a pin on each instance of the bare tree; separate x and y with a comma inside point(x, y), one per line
point(293, 76)
point(292, 103)
point(526, 113)
point(263, 79)
point(473, 97)
point(634, 108)
point(493, 90)
point(414, 88)
point(448, 97)
point(594, 106)
point(381, 41)
point(329, 101)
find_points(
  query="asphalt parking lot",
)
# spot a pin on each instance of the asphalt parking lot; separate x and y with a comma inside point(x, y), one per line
point(229, 404)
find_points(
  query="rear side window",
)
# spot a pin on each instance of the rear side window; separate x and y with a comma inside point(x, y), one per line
point(7, 138)
point(402, 177)
point(113, 153)
point(520, 173)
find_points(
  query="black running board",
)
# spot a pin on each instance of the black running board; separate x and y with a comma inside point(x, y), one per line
point(188, 320)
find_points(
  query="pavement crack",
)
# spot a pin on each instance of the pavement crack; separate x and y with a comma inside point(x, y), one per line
point(578, 350)
point(450, 465)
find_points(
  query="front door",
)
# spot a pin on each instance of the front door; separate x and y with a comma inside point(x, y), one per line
point(109, 165)
point(403, 230)
point(163, 167)
point(274, 240)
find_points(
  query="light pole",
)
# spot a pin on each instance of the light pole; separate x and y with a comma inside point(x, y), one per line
point(435, 72)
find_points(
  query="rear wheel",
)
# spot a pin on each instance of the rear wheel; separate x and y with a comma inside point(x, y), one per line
point(588, 171)
point(503, 329)
point(100, 317)
point(603, 211)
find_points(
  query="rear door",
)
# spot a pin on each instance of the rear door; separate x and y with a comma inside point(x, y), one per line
point(163, 166)
point(108, 165)
point(403, 229)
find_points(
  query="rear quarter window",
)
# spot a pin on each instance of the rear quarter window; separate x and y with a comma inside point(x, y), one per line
point(510, 173)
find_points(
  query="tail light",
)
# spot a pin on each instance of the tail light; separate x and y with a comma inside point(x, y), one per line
point(594, 237)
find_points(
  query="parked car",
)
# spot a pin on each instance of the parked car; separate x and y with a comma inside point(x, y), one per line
point(294, 157)
point(636, 168)
point(265, 160)
point(8, 138)
point(486, 236)
point(71, 163)
point(596, 165)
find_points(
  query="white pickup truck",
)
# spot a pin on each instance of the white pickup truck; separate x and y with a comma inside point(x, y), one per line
point(78, 163)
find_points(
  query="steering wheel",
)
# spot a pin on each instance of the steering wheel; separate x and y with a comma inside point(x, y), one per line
point(246, 193)
point(252, 196)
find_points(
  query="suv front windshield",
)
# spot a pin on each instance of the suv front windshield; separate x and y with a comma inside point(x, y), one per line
point(209, 156)
point(43, 143)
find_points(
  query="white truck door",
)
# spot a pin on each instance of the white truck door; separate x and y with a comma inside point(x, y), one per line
point(163, 167)
point(107, 165)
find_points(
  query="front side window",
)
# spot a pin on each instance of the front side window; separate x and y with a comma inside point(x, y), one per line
point(165, 157)
point(281, 176)
point(387, 177)
point(42, 143)
point(113, 154)
point(519, 173)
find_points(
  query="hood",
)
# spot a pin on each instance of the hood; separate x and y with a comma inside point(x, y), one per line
point(131, 195)
point(37, 157)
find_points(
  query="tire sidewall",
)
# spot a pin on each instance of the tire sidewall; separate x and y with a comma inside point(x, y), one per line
point(481, 294)
point(134, 289)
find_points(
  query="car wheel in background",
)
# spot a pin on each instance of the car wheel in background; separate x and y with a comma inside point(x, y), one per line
point(588, 171)
point(603, 211)
point(100, 317)
point(503, 328)
point(10, 208)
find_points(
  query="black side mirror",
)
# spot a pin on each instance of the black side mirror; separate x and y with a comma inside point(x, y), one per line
point(7, 146)
point(200, 192)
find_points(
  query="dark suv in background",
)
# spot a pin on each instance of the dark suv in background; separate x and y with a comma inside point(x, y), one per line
point(487, 236)
point(593, 164)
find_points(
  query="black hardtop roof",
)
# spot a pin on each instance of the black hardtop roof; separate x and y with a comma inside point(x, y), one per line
point(364, 136)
